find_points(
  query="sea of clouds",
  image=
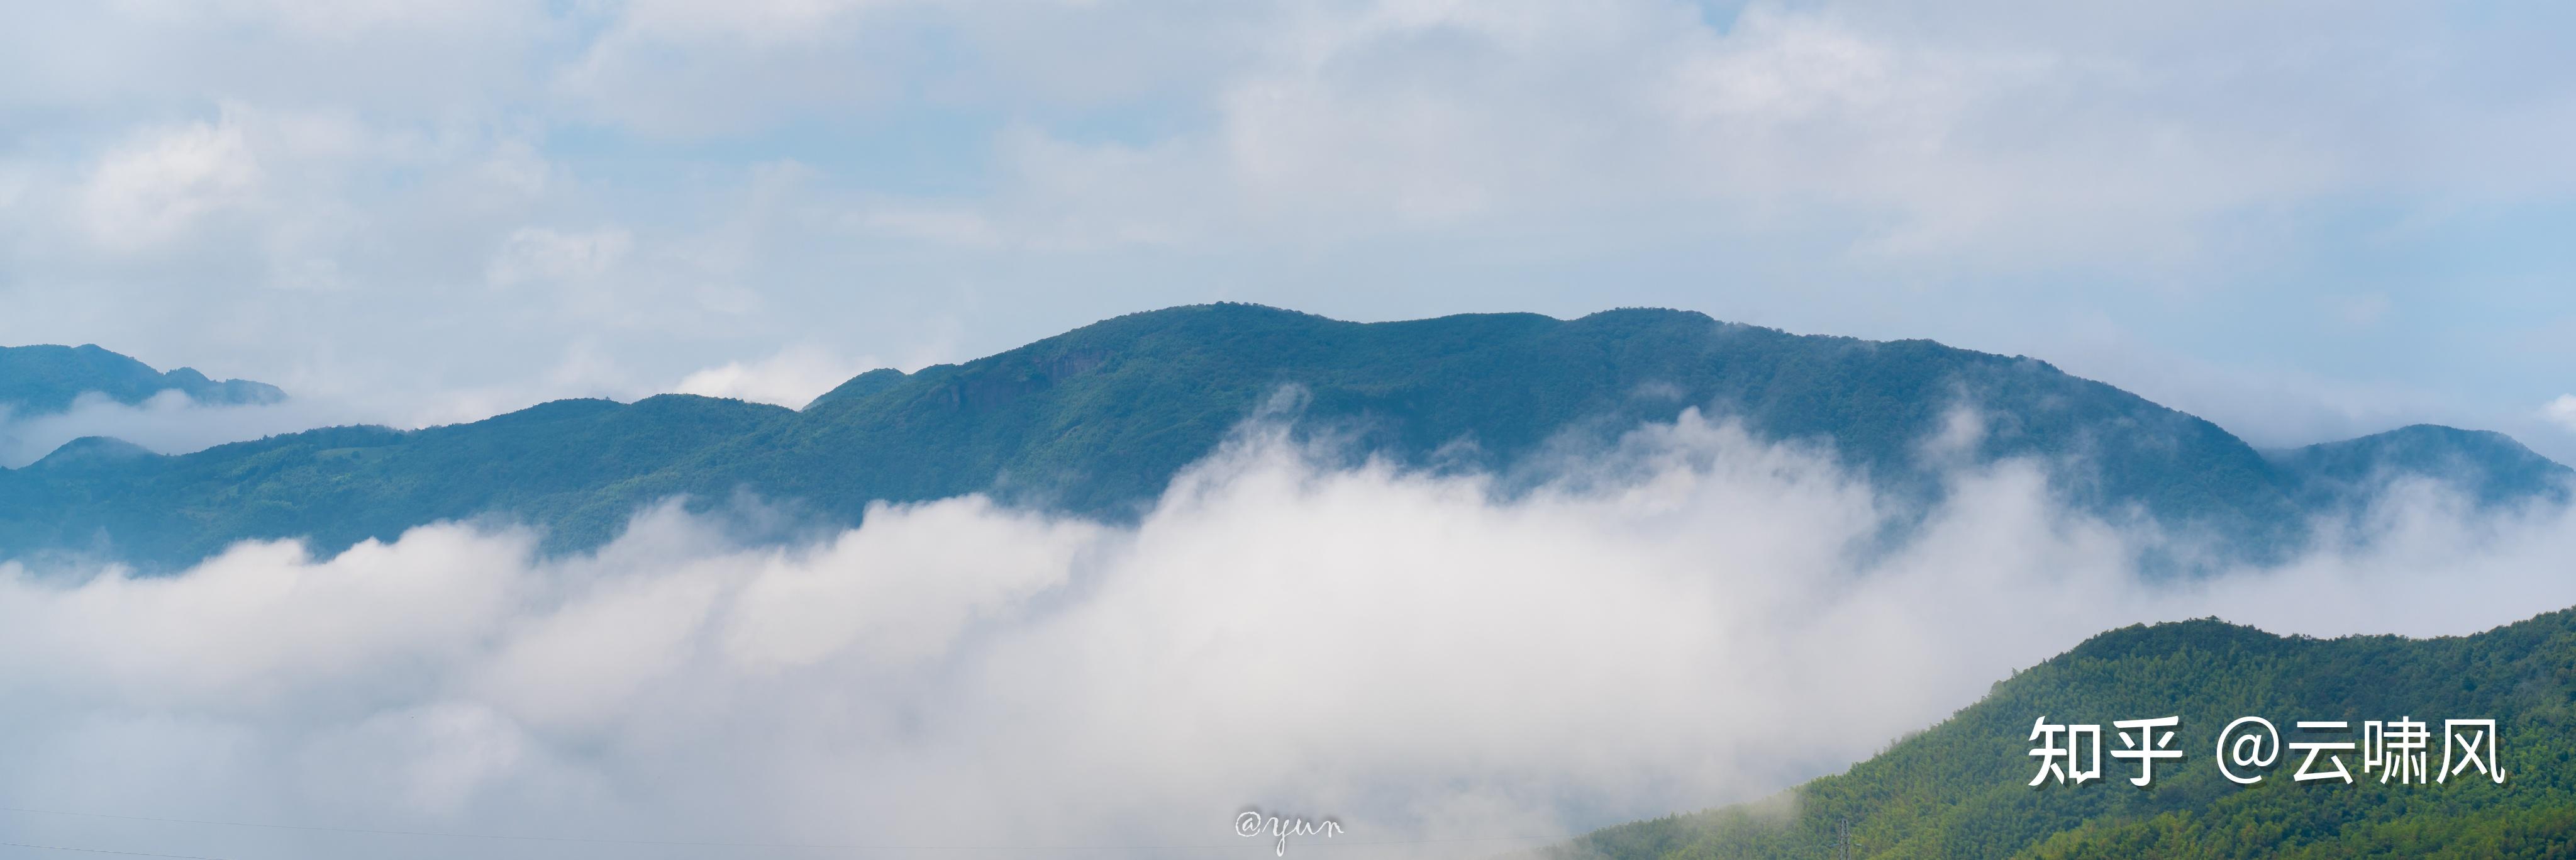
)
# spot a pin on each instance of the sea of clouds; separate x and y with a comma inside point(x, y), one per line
point(1691, 617)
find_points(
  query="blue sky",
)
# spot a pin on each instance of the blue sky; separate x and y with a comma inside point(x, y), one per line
point(2303, 221)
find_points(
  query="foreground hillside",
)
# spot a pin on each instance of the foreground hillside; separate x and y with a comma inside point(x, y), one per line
point(1961, 788)
point(1096, 421)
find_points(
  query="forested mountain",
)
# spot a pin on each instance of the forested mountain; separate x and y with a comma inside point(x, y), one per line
point(1962, 789)
point(1097, 420)
point(2490, 467)
point(36, 380)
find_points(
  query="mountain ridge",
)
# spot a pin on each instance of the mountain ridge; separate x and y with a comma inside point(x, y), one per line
point(44, 379)
point(1096, 420)
point(2491, 467)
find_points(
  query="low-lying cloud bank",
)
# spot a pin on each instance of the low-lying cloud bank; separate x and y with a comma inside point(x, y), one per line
point(173, 423)
point(167, 423)
point(1691, 619)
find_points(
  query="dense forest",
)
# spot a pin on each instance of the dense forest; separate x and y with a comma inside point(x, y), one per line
point(40, 380)
point(1096, 421)
point(1962, 789)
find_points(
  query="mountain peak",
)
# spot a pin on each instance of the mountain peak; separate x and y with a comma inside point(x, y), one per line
point(89, 452)
point(2491, 467)
point(46, 379)
point(1096, 421)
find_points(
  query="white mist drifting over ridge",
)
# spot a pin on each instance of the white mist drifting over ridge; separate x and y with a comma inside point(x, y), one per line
point(169, 423)
point(1686, 620)
point(791, 378)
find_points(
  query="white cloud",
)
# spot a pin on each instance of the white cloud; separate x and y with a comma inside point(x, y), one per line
point(759, 23)
point(168, 423)
point(924, 595)
point(548, 256)
point(319, 191)
point(792, 377)
point(946, 226)
point(334, 21)
point(1402, 651)
point(694, 70)
point(2561, 411)
point(157, 186)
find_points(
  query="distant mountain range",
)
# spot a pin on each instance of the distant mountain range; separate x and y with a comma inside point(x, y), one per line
point(1962, 789)
point(40, 380)
point(1097, 420)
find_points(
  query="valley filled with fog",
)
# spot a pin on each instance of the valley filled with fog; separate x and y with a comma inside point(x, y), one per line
point(1687, 617)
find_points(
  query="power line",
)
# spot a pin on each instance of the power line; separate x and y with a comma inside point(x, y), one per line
point(1836, 843)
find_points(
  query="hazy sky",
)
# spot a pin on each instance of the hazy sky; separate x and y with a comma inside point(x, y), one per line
point(2303, 221)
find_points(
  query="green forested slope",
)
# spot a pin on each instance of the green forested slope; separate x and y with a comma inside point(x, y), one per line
point(562, 464)
point(1097, 420)
point(1961, 788)
point(1102, 416)
point(35, 380)
point(2490, 467)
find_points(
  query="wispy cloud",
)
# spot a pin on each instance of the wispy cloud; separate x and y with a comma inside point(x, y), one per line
point(2561, 411)
point(792, 377)
point(168, 423)
point(331, 193)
